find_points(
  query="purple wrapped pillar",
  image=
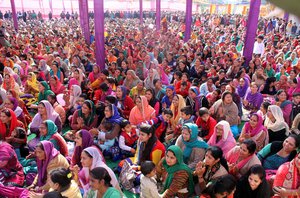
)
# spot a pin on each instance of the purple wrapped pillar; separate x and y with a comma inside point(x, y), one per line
point(157, 15)
point(286, 16)
point(188, 20)
point(50, 5)
point(84, 19)
point(251, 29)
point(99, 33)
point(141, 12)
point(14, 14)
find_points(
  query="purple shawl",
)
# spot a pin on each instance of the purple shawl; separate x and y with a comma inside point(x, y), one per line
point(50, 153)
point(243, 90)
point(51, 115)
point(259, 126)
point(254, 99)
point(87, 141)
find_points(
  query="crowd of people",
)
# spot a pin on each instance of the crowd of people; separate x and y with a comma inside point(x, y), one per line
point(181, 119)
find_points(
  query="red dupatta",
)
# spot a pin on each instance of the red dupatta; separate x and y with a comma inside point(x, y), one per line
point(13, 125)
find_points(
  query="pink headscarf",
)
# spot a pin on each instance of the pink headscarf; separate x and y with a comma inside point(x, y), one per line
point(259, 126)
point(227, 142)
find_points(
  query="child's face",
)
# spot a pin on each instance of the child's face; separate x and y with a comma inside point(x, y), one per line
point(80, 101)
point(185, 116)
point(296, 99)
point(166, 117)
point(128, 128)
point(14, 133)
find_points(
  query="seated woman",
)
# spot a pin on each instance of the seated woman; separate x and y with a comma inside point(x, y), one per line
point(142, 112)
point(222, 137)
point(76, 78)
point(56, 86)
point(193, 149)
point(9, 83)
point(61, 181)
point(277, 153)
point(22, 104)
point(286, 180)
point(255, 130)
point(31, 85)
point(8, 123)
point(253, 98)
point(253, 184)
point(153, 102)
point(179, 178)
point(48, 131)
point(90, 159)
point(221, 187)
point(241, 158)
point(48, 159)
point(85, 118)
point(278, 129)
point(131, 79)
point(211, 168)
point(125, 103)
point(44, 91)
point(195, 100)
point(226, 109)
point(11, 171)
point(83, 139)
point(101, 184)
point(285, 105)
point(12, 103)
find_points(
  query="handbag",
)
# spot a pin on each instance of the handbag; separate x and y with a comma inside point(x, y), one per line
point(127, 176)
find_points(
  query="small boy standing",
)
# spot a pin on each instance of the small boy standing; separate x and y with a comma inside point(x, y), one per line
point(148, 182)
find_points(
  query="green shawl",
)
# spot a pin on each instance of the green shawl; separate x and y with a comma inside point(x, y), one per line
point(180, 165)
point(43, 95)
point(88, 121)
point(51, 130)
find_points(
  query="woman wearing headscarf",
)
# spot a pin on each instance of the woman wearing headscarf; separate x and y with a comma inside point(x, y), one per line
point(285, 105)
point(243, 87)
point(8, 123)
point(10, 72)
point(43, 70)
point(77, 78)
point(56, 71)
point(253, 99)
point(83, 139)
point(277, 128)
point(48, 159)
point(12, 103)
point(44, 91)
point(85, 118)
point(56, 86)
point(178, 103)
point(131, 80)
point(48, 131)
point(255, 130)
point(222, 137)
point(269, 89)
point(90, 159)
point(11, 171)
point(142, 112)
point(195, 100)
point(153, 102)
point(294, 88)
point(31, 85)
point(9, 83)
point(25, 69)
point(193, 148)
point(179, 179)
point(152, 75)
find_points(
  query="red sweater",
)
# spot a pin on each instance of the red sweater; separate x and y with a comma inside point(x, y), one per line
point(128, 105)
point(209, 125)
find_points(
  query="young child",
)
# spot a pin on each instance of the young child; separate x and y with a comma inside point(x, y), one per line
point(186, 116)
point(106, 127)
point(148, 182)
point(128, 139)
point(18, 140)
point(296, 105)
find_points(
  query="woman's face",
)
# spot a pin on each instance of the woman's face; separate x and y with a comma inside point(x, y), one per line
point(270, 114)
point(186, 134)
point(282, 96)
point(219, 130)
point(6, 79)
point(170, 158)
point(244, 153)
point(76, 74)
point(8, 104)
point(289, 144)
point(228, 88)
point(148, 95)
point(86, 161)
point(41, 87)
point(192, 94)
point(138, 103)
point(119, 92)
point(210, 160)
point(40, 154)
point(254, 89)
point(96, 69)
point(4, 118)
point(78, 139)
point(128, 76)
point(254, 181)
point(43, 129)
point(242, 82)
point(184, 78)
point(253, 121)
point(144, 137)
point(169, 92)
point(85, 109)
point(228, 99)
point(52, 81)
point(151, 73)
point(107, 112)
point(42, 109)
point(175, 101)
